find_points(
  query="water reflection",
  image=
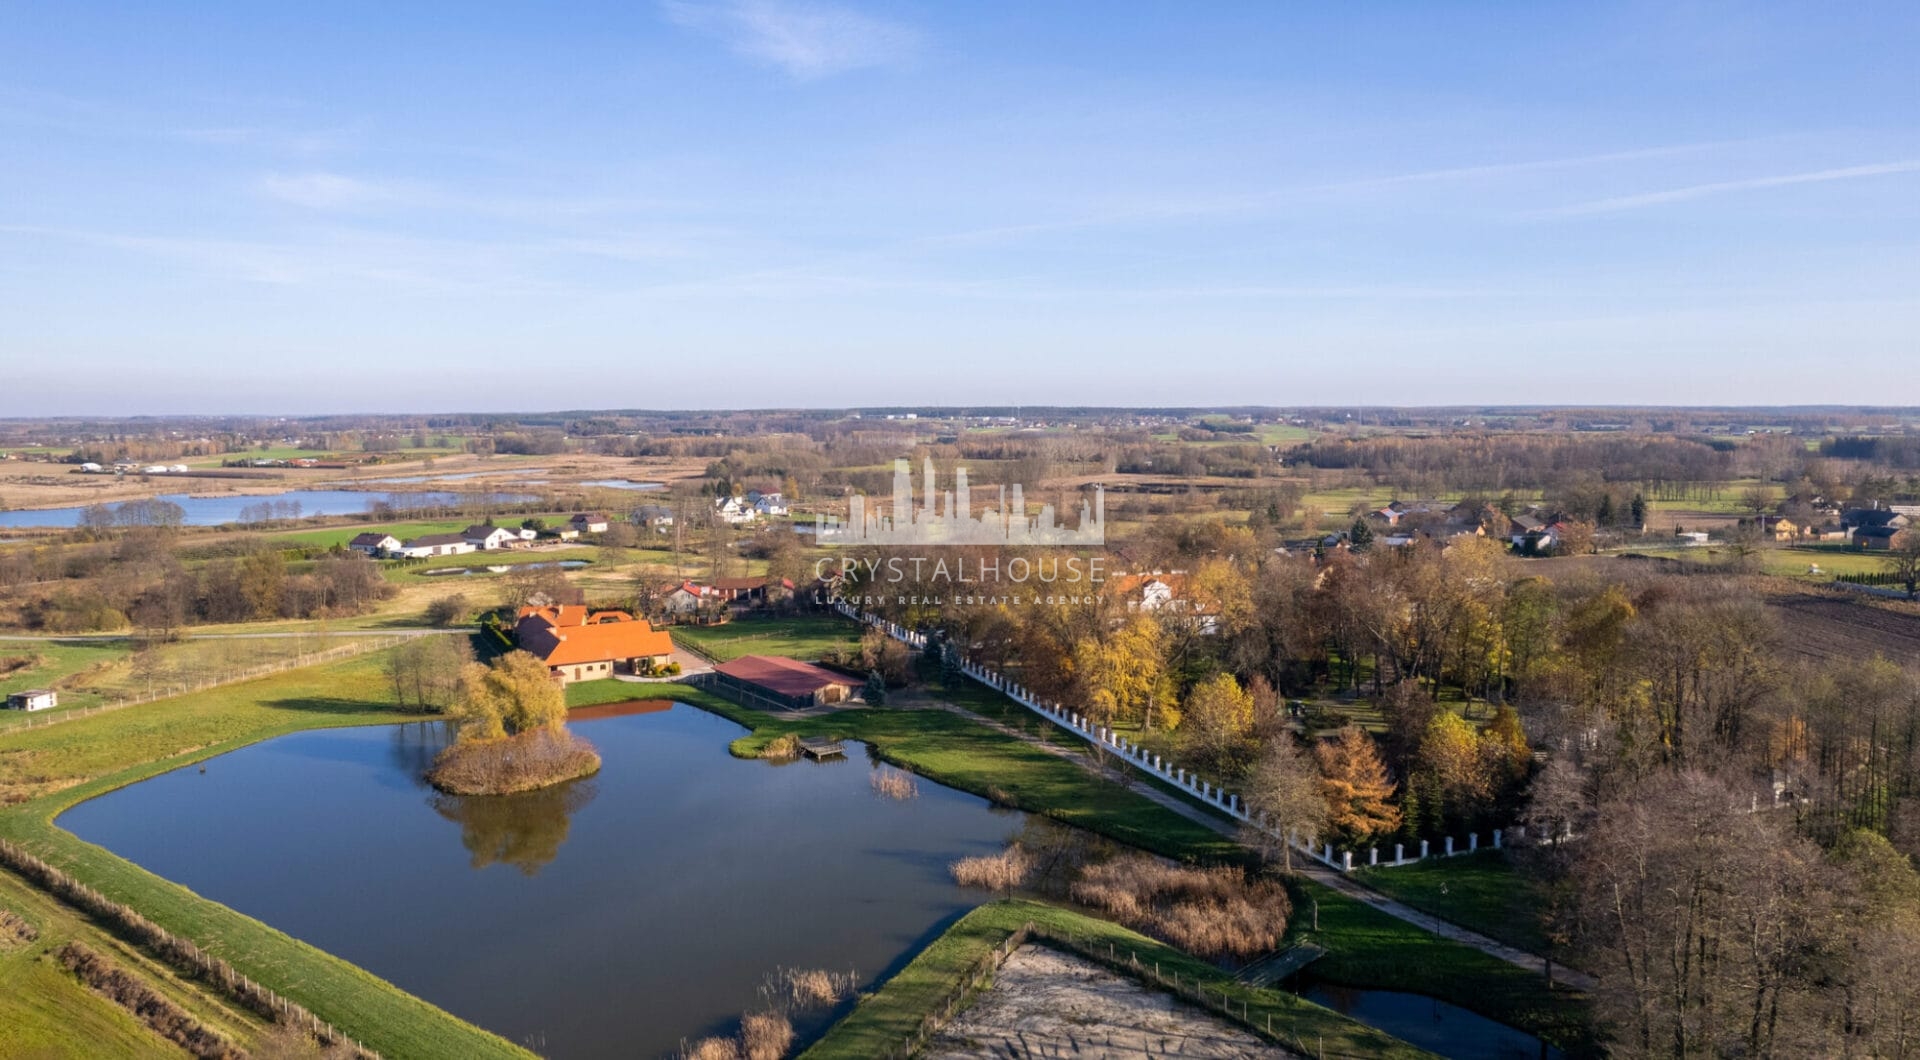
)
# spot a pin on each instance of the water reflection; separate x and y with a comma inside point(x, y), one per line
point(524, 830)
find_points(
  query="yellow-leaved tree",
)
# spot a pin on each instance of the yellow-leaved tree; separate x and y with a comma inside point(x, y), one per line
point(1356, 785)
point(1124, 677)
point(514, 695)
point(1216, 723)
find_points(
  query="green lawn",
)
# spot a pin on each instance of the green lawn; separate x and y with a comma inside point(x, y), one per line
point(54, 660)
point(1368, 948)
point(803, 637)
point(67, 763)
point(885, 1018)
point(340, 535)
point(1481, 892)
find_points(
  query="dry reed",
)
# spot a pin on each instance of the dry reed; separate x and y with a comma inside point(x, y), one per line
point(167, 1019)
point(524, 762)
point(14, 928)
point(765, 1036)
point(1211, 913)
point(890, 783)
point(1001, 873)
point(782, 747)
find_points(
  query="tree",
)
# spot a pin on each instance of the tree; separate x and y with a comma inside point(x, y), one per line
point(1124, 676)
point(1284, 794)
point(1758, 499)
point(1216, 721)
point(1360, 536)
point(1903, 562)
point(1355, 784)
point(514, 695)
point(875, 692)
point(1451, 770)
point(426, 672)
point(1639, 510)
point(449, 610)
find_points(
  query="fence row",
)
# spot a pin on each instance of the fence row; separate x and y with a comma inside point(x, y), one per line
point(1190, 783)
point(295, 663)
point(181, 953)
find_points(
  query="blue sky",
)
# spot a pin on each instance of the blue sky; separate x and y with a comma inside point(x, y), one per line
point(312, 208)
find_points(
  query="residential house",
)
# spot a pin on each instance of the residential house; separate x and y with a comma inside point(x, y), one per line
point(688, 598)
point(654, 517)
point(374, 543)
point(1778, 527)
point(588, 523)
point(434, 545)
point(582, 645)
point(487, 538)
point(33, 699)
point(788, 682)
point(1856, 519)
point(767, 504)
point(1393, 513)
point(1877, 538)
point(733, 510)
point(1525, 524)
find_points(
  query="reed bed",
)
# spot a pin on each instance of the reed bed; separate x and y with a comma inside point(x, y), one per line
point(1211, 913)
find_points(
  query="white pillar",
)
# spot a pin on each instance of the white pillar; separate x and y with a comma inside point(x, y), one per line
point(1399, 853)
point(1497, 833)
point(1329, 853)
point(1423, 850)
point(1473, 842)
point(1373, 855)
point(1346, 861)
point(1449, 846)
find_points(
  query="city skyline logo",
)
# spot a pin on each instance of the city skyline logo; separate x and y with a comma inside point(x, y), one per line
point(948, 519)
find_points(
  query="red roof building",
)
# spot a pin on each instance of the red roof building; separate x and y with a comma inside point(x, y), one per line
point(788, 681)
point(582, 645)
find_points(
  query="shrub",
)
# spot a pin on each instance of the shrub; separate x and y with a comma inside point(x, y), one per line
point(1211, 913)
point(15, 928)
point(782, 747)
point(449, 610)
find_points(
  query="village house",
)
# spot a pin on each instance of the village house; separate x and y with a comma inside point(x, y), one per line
point(688, 598)
point(33, 699)
point(1877, 538)
point(374, 543)
point(433, 545)
point(768, 504)
point(733, 510)
point(488, 538)
point(750, 592)
point(787, 682)
point(582, 645)
point(588, 523)
point(655, 517)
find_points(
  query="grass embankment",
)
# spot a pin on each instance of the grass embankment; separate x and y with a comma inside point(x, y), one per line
point(805, 637)
point(1481, 892)
point(67, 763)
point(885, 1018)
point(960, 753)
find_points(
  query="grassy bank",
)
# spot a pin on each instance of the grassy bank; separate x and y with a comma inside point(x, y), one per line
point(960, 753)
point(67, 763)
point(801, 637)
point(1480, 892)
point(892, 1012)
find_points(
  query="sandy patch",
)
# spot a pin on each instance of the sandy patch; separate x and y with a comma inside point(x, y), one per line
point(1046, 1003)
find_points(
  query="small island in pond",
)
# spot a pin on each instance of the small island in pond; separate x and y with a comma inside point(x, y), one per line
point(510, 725)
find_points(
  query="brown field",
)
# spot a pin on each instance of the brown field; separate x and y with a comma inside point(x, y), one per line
point(1833, 624)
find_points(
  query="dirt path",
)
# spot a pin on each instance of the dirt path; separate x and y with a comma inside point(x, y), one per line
point(1312, 870)
point(1049, 1004)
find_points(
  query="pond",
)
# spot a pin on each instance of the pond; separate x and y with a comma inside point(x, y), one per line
point(502, 568)
point(611, 917)
point(1434, 1025)
point(227, 508)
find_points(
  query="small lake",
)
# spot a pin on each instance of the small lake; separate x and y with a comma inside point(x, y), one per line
point(624, 484)
point(227, 508)
point(611, 917)
point(1433, 1025)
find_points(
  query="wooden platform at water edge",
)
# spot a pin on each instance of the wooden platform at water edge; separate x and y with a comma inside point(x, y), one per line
point(819, 747)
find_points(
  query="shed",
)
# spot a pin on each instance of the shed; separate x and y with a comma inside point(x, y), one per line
point(33, 699)
point(789, 682)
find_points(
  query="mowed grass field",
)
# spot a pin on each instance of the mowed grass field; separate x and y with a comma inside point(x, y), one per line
point(1481, 892)
point(60, 765)
point(805, 637)
point(49, 662)
point(340, 535)
point(894, 1011)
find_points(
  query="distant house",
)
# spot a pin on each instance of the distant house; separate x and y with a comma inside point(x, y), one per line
point(748, 591)
point(1393, 513)
point(374, 543)
point(582, 645)
point(788, 682)
point(1876, 538)
point(527, 533)
point(770, 504)
point(487, 538)
point(33, 699)
point(155, 469)
point(588, 523)
point(687, 598)
point(653, 516)
point(434, 545)
point(1857, 519)
point(1692, 538)
point(733, 510)
point(1525, 524)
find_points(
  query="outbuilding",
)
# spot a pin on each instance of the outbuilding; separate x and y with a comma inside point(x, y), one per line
point(33, 699)
point(787, 682)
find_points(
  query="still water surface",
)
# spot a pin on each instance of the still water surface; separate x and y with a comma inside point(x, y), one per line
point(607, 918)
point(213, 511)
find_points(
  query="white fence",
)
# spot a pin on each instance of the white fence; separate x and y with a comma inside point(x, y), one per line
point(1213, 795)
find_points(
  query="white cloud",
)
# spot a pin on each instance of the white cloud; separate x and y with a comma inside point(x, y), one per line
point(806, 40)
point(1697, 191)
point(326, 191)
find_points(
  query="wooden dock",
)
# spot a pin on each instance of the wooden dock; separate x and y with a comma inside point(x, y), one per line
point(819, 747)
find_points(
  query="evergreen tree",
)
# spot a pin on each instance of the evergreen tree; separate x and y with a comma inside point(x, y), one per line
point(1360, 536)
point(1639, 509)
point(876, 690)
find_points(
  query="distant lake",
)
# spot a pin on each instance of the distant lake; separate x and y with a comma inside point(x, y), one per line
point(226, 508)
point(611, 917)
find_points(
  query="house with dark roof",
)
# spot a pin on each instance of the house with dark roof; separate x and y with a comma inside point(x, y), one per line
point(787, 682)
point(582, 645)
point(433, 545)
point(589, 523)
point(374, 543)
point(1877, 538)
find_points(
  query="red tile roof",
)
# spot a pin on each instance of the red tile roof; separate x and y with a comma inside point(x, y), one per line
point(570, 635)
point(788, 677)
